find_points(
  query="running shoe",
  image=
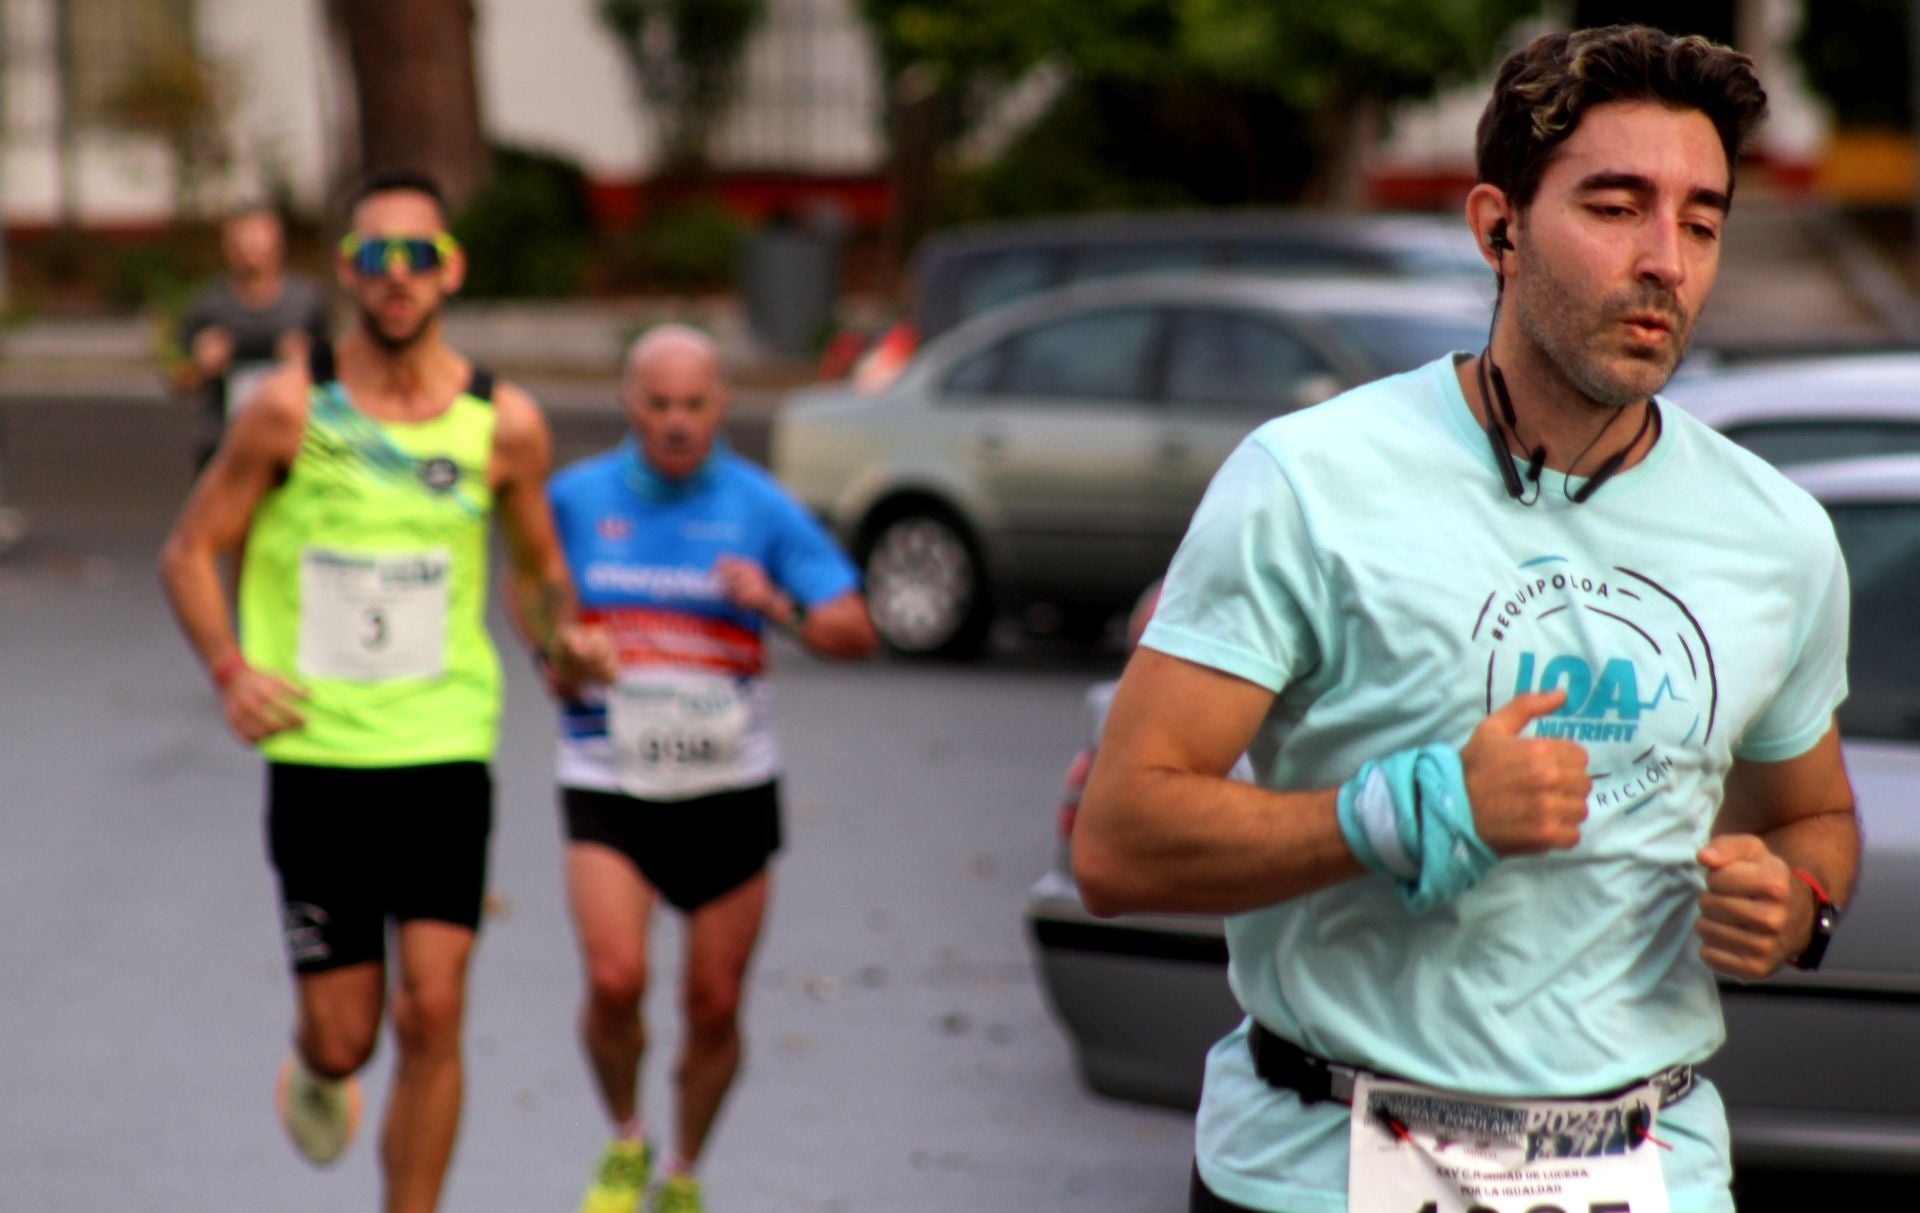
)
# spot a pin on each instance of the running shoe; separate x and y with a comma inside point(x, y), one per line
point(319, 1114)
point(679, 1194)
point(620, 1181)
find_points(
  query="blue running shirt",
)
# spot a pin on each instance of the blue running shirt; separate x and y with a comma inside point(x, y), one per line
point(1362, 560)
point(641, 549)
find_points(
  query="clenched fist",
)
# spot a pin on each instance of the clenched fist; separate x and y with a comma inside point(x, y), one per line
point(1529, 794)
point(1752, 915)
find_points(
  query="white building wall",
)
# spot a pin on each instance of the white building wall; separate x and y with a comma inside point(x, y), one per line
point(275, 52)
point(552, 77)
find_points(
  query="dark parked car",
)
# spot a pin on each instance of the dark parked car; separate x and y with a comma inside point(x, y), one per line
point(960, 273)
point(1817, 1071)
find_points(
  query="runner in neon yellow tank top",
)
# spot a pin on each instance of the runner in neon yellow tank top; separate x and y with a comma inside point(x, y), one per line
point(361, 487)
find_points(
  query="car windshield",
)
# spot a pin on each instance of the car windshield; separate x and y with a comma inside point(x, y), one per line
point(1881, 543)
point(1396, 343)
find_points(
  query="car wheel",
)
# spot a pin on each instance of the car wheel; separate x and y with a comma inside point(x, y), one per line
point(924, 586)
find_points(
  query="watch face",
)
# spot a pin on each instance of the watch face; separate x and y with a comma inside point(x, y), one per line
point(1825, 918)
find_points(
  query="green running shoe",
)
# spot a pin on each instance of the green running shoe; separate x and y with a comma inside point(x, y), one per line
point(620, 1181)
point(319, 1114)
point(679, 1194)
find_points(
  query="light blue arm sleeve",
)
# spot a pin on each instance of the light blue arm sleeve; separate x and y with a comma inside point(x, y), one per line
point(1802, 710)
point(1245, 585)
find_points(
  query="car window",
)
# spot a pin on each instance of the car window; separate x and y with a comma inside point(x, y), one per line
point(998, 278)
point(1391, 344)
point(1226, 358)
point(1100, 355)
point(1136, 259)
point(1783, 443)
point(977, 373)
point(1882, 548)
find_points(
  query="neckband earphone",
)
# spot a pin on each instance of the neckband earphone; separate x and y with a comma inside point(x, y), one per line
point(1493, 385)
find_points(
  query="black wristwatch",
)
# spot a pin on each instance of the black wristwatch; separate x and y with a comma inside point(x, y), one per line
point(1826, 916)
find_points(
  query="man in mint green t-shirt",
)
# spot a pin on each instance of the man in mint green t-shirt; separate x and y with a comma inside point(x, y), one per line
point(1538, 681)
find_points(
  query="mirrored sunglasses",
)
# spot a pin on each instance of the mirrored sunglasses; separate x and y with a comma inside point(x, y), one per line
point(372, 255)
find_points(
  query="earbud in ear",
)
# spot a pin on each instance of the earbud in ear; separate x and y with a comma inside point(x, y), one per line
point(1497, 238)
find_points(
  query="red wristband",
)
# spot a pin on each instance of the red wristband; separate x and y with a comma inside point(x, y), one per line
point(224, 669)
point(1814, 884)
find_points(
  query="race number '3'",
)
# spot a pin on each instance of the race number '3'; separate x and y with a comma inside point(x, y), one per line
point(373, 616)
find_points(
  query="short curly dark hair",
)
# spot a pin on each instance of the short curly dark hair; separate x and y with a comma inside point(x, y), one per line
point(1545, 87)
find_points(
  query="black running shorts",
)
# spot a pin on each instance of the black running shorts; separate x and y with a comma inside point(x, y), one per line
point(356, 846)
point(692, 851)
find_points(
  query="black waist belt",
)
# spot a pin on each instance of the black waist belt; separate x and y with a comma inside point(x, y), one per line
point(1315, 1079)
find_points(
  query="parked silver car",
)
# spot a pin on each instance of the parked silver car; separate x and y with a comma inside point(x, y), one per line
point(1817, 1069)
point(1807, 410)
point(1053, 451)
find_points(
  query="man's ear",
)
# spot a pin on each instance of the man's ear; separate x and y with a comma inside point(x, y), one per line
point(1491, 219)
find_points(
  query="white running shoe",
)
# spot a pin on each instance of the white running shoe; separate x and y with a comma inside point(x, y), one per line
point(319, 1114)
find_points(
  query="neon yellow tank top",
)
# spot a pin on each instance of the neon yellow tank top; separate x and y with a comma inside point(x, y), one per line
point(365, 582)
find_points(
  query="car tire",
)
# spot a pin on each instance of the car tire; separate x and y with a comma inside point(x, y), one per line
point(925, 587)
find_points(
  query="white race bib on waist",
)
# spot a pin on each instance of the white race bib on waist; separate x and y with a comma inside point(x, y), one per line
point(676, 733)
point(374, 616)
point(242, 381)
point(1413, 1149)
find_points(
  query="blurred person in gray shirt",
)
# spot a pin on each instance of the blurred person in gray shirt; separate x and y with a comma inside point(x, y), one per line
point(241, 326)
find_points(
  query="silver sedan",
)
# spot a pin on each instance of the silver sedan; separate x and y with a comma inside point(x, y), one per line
point(1051, 453)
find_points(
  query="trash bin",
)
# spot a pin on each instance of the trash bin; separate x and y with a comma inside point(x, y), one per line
point(790, 281)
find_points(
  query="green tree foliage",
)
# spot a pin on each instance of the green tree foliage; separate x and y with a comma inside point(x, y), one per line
point(1855, 54)
point(685, 58)
point(1332, 64)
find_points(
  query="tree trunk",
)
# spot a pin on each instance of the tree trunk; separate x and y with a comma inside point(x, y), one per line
point(915, 106)
point(418, 91)
point(1343, 133)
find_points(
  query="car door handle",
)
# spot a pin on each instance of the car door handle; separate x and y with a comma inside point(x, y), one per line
point(1173, 446)
point(991, 442)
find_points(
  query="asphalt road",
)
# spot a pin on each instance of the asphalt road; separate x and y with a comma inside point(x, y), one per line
point(900, 1059)
point(900, 1054)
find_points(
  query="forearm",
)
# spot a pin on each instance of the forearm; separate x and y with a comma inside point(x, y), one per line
point(541, 603)
point(838, 630)
point(1825, 845)
point(1180, 842)
point(194, 591)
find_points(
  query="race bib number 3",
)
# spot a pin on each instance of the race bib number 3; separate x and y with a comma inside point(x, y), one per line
point(1417, 1150)
point(676, 734)
point(374, 616)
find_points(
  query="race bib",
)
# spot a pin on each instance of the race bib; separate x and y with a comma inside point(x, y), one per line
point(374, 616)
point(676, 733)
point(242, 380)
point(1417, 1150)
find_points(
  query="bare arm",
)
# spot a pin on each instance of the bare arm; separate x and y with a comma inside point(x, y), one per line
point(540, 591)
point(838, 628)
point(1161, 827)
point(259, 447)
point(1755, 914)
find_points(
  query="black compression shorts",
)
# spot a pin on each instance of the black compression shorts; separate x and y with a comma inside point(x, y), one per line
point(692, 851)
point(354, 847)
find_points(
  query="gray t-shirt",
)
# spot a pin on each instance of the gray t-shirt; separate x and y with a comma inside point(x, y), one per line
point(256, 332)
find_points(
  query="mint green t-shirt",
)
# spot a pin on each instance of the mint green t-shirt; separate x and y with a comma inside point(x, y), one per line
point(1362, 560)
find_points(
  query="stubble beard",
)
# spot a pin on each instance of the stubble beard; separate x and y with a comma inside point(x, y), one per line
point(395, 344)
point(1577, 343)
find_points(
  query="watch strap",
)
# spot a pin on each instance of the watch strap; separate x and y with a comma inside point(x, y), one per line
point(1825, 917)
